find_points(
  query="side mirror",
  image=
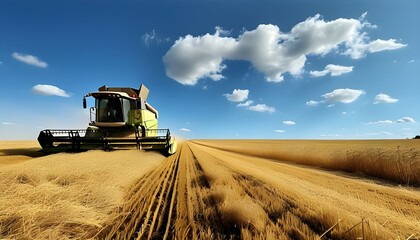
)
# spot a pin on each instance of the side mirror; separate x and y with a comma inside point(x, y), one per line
point(84, 103)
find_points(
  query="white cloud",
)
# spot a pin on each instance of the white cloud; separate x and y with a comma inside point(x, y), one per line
point(262, 108)
point(238, 95)
point(411, 61)
point(383, 98)
point(380, 122)
point(346, 95)
point(269, 50)
point(312, 103)
point(343, 95)
point(279, 131)
point(151, 37)
point(245, 104)
point(29, 59)
point(382, 45)
point(184, 130)
point(289, 122)
point(192, 58)
point(406, 120)
point(379, 133)
point(49, 90)
point(401, 120)
point(220, 31)
point(8, 123)
point(334, 70)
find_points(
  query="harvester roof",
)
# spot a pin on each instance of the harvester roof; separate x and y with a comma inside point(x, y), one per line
point(112, 94)
point(142, 92)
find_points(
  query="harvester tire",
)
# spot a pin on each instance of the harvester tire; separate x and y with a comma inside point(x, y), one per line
point(172, 148)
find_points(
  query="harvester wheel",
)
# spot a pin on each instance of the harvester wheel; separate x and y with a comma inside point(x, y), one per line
point(172, 148)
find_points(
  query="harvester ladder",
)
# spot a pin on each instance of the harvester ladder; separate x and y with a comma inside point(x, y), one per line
point(138, 142)
point(106, 145)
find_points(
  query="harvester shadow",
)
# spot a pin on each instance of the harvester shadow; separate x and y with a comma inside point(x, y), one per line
point(45, 152)
point(28, 152)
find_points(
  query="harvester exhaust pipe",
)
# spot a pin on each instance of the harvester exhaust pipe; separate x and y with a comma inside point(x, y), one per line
point(84, 102)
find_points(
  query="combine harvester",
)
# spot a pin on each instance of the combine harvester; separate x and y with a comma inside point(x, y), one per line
point(121, 118)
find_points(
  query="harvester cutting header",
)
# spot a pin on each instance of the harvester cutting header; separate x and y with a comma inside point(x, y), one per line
point(121, 118)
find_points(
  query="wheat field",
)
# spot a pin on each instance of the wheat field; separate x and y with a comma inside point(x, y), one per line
point(65, 195)
point(214, 189)
point(395, 160)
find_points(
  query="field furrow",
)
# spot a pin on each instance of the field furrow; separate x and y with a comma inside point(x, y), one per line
point(145, 214)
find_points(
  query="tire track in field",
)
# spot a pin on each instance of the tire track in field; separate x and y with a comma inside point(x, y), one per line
point(147, 212)
point(250, 208)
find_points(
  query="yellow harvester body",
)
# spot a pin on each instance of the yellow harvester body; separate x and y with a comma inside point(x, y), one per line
point(121, 118)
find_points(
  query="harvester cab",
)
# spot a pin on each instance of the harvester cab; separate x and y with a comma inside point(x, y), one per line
point(120, 118)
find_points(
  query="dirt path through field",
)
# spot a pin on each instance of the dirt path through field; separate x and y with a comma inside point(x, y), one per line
point(208, 193)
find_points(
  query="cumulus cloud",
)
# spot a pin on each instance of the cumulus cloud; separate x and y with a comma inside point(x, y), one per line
point(384, 98)
point(184, 130)
point(345, 95)
point(406, 120)
point(289, 122)
point(334, 70)
point(192, 58)
point(279, 131)
point(49, 90)
point(245, 104)
point(238, 95)
point(271, 51)
point(261, 108)
point(29, 59)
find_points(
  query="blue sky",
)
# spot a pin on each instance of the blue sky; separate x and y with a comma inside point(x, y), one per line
point(217, 69)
